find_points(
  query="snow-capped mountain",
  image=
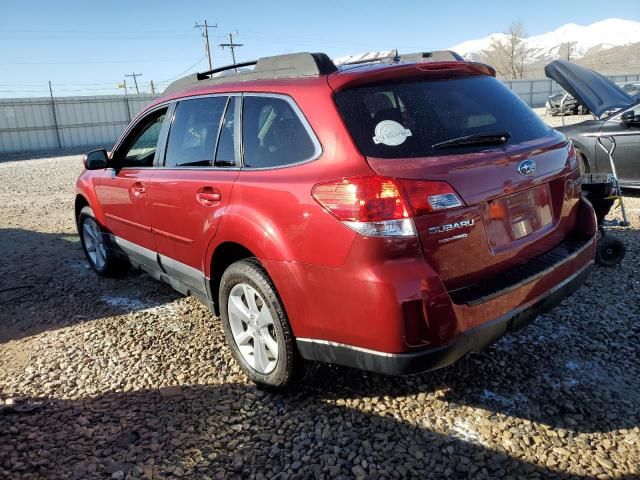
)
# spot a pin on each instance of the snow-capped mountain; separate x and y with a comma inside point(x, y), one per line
point(612, 32)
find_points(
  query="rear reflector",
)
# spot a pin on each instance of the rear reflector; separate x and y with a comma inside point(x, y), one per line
point(379, 206)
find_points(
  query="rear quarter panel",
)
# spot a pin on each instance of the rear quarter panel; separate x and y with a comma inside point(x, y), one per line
point(272, 212)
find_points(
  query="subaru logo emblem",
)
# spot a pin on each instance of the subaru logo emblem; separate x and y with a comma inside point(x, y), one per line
point(527, 168)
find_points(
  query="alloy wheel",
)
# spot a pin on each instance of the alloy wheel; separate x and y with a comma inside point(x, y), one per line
point(94, 243)
point(253, 328)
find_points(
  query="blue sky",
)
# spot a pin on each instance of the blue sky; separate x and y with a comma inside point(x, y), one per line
point(87, 46)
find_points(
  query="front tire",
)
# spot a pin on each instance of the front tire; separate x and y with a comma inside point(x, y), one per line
point(103, 260)
point(256, 326)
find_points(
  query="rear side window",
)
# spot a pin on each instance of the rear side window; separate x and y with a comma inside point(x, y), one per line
point(272, 133)
point(194, 131)
point(406, 120)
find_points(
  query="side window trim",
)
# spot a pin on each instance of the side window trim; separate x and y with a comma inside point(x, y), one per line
point(133, 126)
point(159, 159)
point(230, 98)
point(301, 117)
point(219, 132)
point(237, 132)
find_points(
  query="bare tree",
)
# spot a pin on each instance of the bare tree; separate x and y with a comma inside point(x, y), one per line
point(510, 54)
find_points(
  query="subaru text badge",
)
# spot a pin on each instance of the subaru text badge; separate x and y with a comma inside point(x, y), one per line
point(527, 168)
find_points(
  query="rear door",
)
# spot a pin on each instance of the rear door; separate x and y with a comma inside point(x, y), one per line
point(123, 191)
point(189, 192)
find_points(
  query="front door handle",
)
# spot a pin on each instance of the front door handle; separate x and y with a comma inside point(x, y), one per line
point(208, 196)
point(138, 189)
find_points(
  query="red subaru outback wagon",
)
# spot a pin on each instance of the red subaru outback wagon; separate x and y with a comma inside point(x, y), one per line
point(390, 216)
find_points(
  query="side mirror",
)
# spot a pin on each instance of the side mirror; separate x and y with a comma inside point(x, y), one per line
point(630, 118)
point(96, 160)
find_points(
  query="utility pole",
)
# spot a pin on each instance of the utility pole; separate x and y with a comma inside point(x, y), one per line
point(153, 90)
point(232, 46)
point(570, 46)
point(135, 80)
point(205, 33)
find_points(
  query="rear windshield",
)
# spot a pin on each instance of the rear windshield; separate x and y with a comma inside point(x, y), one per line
point(405, 120)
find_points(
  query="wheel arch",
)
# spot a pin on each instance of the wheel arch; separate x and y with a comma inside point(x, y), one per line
point(224, 254)
point(86, 196)
point(585, 163)
point(80, 203)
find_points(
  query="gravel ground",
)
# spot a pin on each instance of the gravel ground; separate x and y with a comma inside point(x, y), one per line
point(103, 378)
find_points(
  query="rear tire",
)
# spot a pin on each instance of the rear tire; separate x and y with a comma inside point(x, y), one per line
point(610, 251)
point(256, 326)
point(102, 259)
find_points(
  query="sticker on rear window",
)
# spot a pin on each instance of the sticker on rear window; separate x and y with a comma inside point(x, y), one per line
point(389, 132)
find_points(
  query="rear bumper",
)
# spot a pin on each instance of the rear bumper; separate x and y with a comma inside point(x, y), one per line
point(472, 340)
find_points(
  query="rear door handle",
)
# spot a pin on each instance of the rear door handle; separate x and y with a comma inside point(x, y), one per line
point(138, 189)
point(208, 196)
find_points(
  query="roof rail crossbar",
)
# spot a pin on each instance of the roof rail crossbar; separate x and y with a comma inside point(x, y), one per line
point(208, 73)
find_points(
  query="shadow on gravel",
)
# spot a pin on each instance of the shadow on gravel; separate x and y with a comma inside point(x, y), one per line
point(234, 431)
point(46, 283)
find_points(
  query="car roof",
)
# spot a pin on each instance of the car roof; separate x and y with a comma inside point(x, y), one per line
point(285, 71)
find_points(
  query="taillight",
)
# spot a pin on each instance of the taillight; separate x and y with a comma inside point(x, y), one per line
point(427, 197)
point(379, 206)
point(370, 205)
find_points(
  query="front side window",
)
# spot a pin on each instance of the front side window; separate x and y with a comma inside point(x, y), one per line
point(272, 133)
point(419, 118)
point(194, 131)
point(139, 148)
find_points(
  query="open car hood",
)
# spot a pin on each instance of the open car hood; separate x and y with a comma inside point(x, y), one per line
point(594, 91)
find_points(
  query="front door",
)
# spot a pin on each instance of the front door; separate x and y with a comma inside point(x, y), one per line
point(123, 191)
point(189, 193)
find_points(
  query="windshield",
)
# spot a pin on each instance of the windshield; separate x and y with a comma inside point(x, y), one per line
point(405, 120)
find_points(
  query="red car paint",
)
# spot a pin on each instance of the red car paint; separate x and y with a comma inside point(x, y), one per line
point(386, 294)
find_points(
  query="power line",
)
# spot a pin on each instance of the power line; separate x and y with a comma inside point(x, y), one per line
point(184, 71)
point(143, 60)
point(205, 33)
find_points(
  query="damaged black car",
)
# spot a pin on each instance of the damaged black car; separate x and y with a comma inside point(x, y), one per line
point(615, 113)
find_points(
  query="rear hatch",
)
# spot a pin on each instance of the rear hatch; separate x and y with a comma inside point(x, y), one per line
point(507, 168)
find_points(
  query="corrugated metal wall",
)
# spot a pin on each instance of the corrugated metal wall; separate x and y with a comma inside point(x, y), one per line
point(28, 124)
point(43, 124)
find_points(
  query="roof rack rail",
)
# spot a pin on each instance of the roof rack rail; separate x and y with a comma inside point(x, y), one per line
point(302, 64)
point(393, 56)
point(434, 56)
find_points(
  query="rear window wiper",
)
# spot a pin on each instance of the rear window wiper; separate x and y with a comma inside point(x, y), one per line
point(495, 138)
